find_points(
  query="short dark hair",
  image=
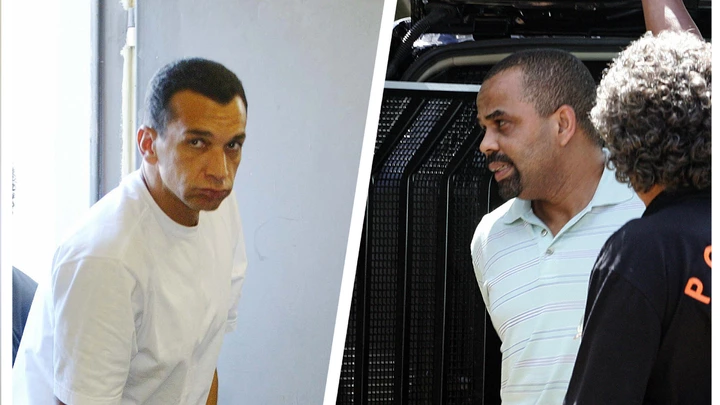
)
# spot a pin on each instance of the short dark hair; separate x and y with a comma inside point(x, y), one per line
point(654, 111)
point(552, 78)
point(206, 77)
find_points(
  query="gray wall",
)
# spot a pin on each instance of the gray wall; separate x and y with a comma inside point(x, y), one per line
point(307, 68)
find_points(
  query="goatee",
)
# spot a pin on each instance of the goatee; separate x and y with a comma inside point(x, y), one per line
point(509, 187)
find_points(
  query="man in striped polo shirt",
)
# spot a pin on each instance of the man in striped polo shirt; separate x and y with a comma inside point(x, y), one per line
point(534, 254)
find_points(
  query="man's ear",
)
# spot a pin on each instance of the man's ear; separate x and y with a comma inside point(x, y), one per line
point(567, 123)
point(146, 138)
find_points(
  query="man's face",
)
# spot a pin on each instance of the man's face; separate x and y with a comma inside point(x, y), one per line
point(199, 153)
point(517, 142)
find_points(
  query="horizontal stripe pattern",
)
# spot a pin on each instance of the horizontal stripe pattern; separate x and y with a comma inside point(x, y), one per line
point(535, 287)
point(539, 311)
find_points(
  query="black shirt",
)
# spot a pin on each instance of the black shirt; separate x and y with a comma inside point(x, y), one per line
point(646, 337)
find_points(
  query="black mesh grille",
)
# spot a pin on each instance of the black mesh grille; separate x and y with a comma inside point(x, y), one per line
point(422, 262)
point(346, 390)
point(426, 256)
point(392, 110)
point(386, 273)
point(417, 316)
point(467, 323)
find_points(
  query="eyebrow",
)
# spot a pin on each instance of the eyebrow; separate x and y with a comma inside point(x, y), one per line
point(495, 114)
point(207, 134)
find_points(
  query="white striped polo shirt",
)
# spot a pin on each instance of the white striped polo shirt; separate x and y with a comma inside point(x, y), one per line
point(535, 286)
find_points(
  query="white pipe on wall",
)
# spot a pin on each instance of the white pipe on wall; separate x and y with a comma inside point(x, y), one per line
point(129, 91)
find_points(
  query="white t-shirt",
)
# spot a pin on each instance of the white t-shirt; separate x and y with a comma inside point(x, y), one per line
point(137, 306)
point(535, 286)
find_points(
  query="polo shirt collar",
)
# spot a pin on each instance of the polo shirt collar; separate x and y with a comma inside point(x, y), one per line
point(608, 192)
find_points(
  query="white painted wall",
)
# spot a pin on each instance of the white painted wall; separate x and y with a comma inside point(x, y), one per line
point(46, 118)
point(307, 68)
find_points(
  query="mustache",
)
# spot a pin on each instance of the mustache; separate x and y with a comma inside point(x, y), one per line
point(496, 157)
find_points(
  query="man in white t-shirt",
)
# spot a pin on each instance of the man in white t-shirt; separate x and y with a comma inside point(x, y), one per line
point(142, 292)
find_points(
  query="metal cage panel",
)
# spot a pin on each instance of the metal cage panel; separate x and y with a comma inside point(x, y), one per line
point(418, 332)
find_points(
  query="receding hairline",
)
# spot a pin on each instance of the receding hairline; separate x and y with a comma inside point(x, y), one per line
point(206, 77)
point(172, 114)
point(506, 71)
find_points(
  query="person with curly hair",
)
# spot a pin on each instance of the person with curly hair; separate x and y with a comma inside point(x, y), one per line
point(646, 331)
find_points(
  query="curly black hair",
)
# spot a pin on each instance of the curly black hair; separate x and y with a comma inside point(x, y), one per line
point(653, 110)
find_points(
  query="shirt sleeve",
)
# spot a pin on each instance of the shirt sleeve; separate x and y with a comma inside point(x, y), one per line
point(478, 262)
point(621, 334)
point(95, 304)
point(238, 271)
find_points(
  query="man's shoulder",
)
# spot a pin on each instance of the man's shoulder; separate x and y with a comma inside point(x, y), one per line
point(109, 227)
point(612, 195)
point(611, 211)
point(665, 230)
point(494, 224)
point(620, 252)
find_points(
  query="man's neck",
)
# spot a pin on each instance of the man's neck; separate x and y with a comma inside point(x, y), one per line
point(168, 203)
point(650, 195)
point(572, 195)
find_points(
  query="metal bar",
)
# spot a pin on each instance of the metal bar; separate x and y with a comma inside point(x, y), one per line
point(97, 75)
point(432, 138)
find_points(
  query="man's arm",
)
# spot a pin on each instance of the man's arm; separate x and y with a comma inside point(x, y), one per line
point(213, 395)
point(94, 304)
point(672, 15)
